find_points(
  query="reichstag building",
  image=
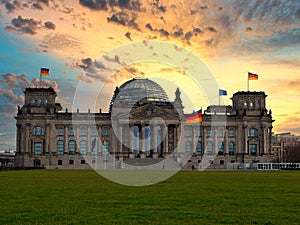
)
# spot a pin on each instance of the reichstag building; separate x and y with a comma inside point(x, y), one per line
point(141, 127)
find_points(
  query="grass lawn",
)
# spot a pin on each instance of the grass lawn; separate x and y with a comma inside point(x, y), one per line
point(189, 197)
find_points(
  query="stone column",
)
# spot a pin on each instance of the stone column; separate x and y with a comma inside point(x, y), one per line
point(204, 133)
point(47, 141)
point(120, 138)
point(265, 135)
point(215, 134)
point(99, 141)
point(66, 134)
point(226, 142)
point(88, 141)
point(131, 141)
point(194, 140)
point(154, 140)
point(246, 147)
point(77, 142)
point(166, 140)
point(27, 139)
point(142, 141)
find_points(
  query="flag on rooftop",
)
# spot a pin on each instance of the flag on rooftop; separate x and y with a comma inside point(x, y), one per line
point(45, 72)
point(222, 92)
point(195, 117)
point(252, 76)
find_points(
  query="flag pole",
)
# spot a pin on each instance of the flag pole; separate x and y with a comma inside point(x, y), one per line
point(40, 79)
point(248, 82)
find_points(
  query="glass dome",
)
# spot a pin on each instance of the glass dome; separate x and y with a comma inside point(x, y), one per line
point(138, 89)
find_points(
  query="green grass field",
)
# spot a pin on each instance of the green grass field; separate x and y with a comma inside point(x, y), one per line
point(189, 197)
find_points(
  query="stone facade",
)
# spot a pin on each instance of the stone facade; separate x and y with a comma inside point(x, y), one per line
point(52, 138)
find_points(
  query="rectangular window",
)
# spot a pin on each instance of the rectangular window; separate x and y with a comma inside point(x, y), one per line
point(71, 161)
point(38, 148)
point(105, 132)
point(59, 162)
point(220, 133)
point(231, 133)
point(71, 132)
point(82, 161)
point(94, 131)
point(199, 133)
point(83, 131)
point(36, 162)
point(253, 149)
point(60, 132)
point(209, 133)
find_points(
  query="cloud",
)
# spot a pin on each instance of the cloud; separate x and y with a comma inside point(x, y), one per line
point(148, 25)
point(248, 29)
point(107, 4)
point(12, 6)
point(94, 4)
point(291, 124)
point(163, 32)
point(37, 5)
point(86, 63)
point(50, 25)
point(178, 33)
point(59, 41)
point(124, 19)
point(128, 35)
point(13, 81)
point(23, 25)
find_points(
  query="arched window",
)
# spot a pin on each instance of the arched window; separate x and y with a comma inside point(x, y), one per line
point(71, 147)
point(251, 104)
point(220, 148)
point(257, 104)
point(105, 148)
point(252, 132)
point(199, 148)
point(60, 131)
point(32, 100)
point(94, 146)
point(39, 100)
point(38, 131)
point(231, 148)
point(45, 101)
point(83, 147)
point(245, 104)
point(188, 147)
point(209, 148)
point(60, 147)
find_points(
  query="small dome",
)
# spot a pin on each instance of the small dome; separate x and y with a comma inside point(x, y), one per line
point(137, 89)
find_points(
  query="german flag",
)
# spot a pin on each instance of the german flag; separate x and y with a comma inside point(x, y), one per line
point(195, 118)
point(252, 76)
point(44, 72)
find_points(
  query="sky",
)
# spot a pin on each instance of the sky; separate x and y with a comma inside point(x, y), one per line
point(227, 38)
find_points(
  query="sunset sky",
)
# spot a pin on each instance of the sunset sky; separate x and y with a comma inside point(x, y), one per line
point(230, 38)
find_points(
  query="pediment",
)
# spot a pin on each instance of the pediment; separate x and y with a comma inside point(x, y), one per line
point(148, 111)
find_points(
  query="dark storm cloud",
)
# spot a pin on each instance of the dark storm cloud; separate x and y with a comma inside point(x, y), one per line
point(50, 25)
point(105, 4)
point(188, 35)
point(148, 25)
point(85, 63)
point(128, 35)
point(23, 25)
point(94, 4)
point(37, 5)
point(163, 32)
point(11, 6)
point(211, 29)
point(248, 29)
point(178, 33)
point(124, 19)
